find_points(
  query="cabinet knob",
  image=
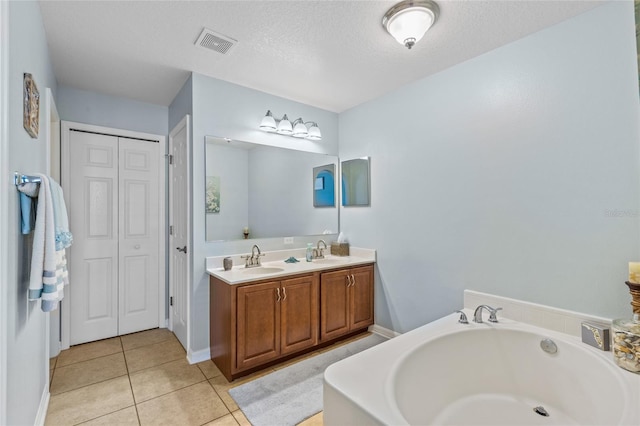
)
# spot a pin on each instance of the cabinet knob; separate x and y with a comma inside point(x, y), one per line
point(284, 294)
point(278, 294)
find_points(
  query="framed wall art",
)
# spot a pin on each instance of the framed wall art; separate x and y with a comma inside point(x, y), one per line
point(31, 106)
point(212, 188)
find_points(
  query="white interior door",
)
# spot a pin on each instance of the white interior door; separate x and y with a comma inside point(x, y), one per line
point(179, 253)
point(93, 219)
point(116, 216)
point(139, 238)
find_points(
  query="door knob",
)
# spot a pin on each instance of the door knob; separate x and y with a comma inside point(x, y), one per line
point(183, 249)
point(137, 247)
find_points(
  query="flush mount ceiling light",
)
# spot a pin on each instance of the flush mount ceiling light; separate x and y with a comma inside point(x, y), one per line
point(298, 129)
point(409, 20)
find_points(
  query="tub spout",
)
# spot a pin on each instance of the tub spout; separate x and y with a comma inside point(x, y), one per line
point(477, 315)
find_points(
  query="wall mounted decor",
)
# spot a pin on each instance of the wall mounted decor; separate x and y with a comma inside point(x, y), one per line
point(324, 186)
point(31, 106)
point(213, 194)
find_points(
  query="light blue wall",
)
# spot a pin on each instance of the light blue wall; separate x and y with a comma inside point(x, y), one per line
point(499, 173)
point(87, 107)
point(228, 110)
point(27, 331)
point(182, 104)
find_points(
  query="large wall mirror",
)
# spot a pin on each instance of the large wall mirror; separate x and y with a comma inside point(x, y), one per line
point(266, 192)
point(356, 187)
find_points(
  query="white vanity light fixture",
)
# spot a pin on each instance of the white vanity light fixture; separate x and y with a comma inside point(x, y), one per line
point(284, 126)
point(268, 123)
point(314, 132)
point(299, 129)
point(409, 20)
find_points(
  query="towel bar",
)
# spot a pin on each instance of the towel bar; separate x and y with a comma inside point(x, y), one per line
point(19, 179)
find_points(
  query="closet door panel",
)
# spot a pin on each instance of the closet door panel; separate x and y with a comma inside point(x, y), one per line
point(93, 220)
point(139, 205)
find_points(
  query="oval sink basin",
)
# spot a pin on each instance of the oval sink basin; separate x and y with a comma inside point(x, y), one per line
point(262, 270)
point(329, 261)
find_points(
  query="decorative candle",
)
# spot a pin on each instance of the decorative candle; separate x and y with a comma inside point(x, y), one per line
point(634, 272)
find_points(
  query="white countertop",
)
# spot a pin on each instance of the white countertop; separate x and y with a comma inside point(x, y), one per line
point(275, 259)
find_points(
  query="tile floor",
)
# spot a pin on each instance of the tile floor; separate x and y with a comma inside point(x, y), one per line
point(143, 379)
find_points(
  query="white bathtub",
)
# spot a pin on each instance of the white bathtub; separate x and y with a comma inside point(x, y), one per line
point(480, 374)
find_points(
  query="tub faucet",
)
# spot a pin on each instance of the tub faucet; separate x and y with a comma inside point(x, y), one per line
point(318, 252)
point(477, 315)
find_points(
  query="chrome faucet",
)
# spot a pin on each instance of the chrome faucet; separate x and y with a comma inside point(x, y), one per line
point(477, 315)
point(253, 260)
point(318, 252)
point(463, 317)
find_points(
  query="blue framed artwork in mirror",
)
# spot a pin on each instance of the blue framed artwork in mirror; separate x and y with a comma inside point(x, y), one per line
point(324, 186)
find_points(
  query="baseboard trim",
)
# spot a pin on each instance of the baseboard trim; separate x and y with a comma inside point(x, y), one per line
point(384, 332)
point(198, 356)
point(41, 416)
point(205, 354)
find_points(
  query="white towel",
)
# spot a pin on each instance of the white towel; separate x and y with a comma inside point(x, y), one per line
point(60, 218)
point(62, 275)
point(43, 283)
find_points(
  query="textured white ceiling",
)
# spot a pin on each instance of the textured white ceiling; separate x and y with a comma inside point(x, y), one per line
point(329, 54)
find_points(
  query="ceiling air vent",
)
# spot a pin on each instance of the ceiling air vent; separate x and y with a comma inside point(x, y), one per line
point(215, 41)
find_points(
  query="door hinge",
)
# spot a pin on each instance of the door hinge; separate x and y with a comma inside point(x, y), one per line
point(171, 301)
point(170, 229)
point(170, 158)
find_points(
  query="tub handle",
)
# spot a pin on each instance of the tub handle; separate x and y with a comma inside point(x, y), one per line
point(463, 318)
point(492, 315)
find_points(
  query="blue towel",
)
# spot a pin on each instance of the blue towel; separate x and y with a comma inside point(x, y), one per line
point(28, 203)
point(28, 213)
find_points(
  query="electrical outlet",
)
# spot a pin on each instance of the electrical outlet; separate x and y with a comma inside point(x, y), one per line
point(288, 240)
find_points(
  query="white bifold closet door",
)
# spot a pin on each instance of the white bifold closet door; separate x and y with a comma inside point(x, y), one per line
point(114, 217)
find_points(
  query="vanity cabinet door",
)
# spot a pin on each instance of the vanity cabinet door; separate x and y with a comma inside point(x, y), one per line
point(334, 304)
point(298, 314)
point(346, 301)
point(361, 303)
point(258, 324)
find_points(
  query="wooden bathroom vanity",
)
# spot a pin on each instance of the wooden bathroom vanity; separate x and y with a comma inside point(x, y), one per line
point(266, 320)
